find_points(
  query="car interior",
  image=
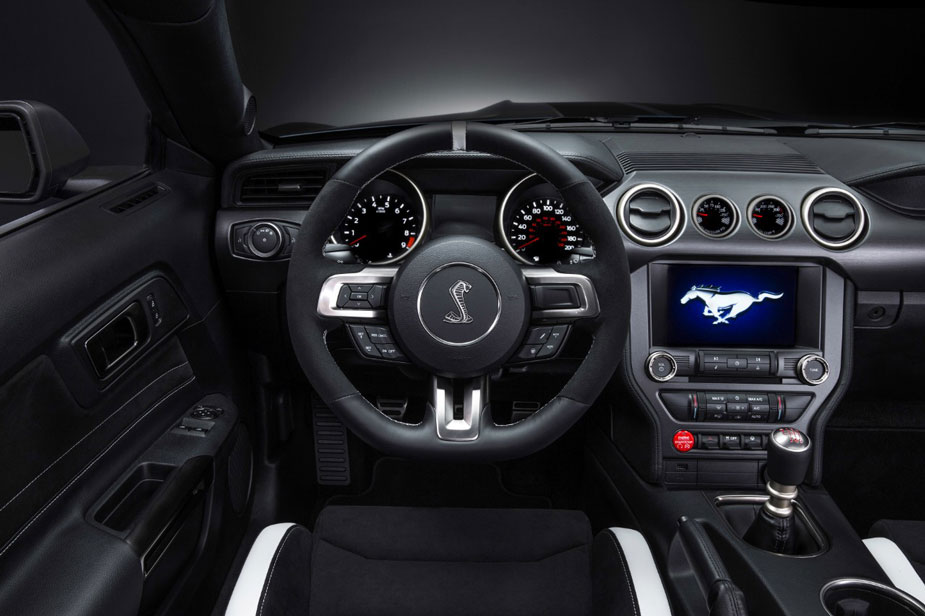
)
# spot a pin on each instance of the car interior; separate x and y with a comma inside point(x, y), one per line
point(534, 359)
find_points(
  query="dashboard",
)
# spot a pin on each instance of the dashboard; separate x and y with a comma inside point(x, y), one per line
point(753, 260)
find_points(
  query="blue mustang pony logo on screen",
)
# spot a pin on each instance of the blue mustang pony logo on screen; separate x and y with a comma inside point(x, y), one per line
point(724, 306)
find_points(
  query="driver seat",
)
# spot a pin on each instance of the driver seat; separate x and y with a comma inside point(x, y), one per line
point(409, 561)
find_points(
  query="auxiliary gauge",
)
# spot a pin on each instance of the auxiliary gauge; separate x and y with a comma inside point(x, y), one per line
point(770, 217)
point(715, 216)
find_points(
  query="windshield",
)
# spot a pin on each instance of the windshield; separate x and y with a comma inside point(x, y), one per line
point(344, 63)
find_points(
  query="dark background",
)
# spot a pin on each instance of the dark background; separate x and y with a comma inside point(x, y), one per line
point(347, 62)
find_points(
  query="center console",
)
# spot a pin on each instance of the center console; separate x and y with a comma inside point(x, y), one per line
point(720, 354)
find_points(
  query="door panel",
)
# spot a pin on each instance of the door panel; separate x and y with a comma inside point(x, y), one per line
point(72, 433)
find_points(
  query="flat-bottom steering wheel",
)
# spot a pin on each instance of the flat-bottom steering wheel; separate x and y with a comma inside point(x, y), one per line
point(459, 307)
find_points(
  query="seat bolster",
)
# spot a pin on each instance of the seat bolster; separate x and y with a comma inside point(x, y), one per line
point(626, 579)
point(249, 589)
point(897, 566)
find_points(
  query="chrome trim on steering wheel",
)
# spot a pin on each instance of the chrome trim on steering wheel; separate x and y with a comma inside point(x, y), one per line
point(588, 296)
point(327, 298)
point(475, 399)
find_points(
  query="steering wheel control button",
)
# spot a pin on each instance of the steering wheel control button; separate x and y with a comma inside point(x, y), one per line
point(529, 351)
point(683, 441)
point(813, 369)
point(661, 366)
point(556, 339)
point(376, 296)
point(555, 297)
point(390, 351)
point(459, 304)
point(379, 335)
point(538, 335)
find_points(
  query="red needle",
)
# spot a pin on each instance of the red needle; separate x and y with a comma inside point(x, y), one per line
point(702, 214)
point(757, 215)
point(362, 237)
point(522, 246)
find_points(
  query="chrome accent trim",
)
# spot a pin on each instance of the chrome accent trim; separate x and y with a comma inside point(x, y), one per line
point(802, 364)
point(475, 399)
point(814, 196)
point(661, 379)
point(736, 221)
point(327, 298)
point(751, 207)
point(590, 307)
point(760, 499)
point(675, 200)
point(892, 592)
point(493, 323)
point(780, 499)
point(250, 240)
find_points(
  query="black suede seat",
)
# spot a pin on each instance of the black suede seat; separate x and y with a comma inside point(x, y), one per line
point(417, 561)
point(899, 548)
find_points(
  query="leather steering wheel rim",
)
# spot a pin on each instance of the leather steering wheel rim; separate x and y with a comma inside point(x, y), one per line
point(309, 269)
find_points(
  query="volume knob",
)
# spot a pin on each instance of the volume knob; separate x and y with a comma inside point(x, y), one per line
point(661, 366)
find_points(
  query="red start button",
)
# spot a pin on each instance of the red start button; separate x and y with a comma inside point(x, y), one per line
point(683, 441)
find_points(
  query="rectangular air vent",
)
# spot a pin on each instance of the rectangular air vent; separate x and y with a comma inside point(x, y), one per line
point(698, 161)
point(282, 187)
point(142, 197)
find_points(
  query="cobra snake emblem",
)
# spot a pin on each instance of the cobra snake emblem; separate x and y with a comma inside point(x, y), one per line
point(458, 292)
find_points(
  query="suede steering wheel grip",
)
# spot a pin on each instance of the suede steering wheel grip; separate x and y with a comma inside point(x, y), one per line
point(309, 269)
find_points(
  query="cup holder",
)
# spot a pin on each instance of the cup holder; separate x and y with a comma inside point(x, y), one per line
point(860, 597)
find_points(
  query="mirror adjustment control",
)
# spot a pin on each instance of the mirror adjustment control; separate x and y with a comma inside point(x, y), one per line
point(661, 366)
point(813, 369)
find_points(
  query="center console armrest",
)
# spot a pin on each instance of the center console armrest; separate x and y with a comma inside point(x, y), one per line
point(723, 597)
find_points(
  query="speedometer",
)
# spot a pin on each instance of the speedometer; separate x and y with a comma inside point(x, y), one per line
point(544, 231)
point(536, 225)
point(387, 220)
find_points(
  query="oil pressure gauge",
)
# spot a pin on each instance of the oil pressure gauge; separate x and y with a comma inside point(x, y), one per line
point(715, 216)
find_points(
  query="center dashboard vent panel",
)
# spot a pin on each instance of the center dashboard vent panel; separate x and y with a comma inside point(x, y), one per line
point(650, 214)
point(281, 187)
point(702, 161)
point(834, 218)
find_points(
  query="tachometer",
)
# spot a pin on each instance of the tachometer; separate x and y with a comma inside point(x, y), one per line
point(715, 216)
point(770, 217)
point(387, 220)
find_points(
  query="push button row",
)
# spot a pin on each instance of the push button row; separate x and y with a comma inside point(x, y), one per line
point(542, 342)
point(685, 441)
point(726, 363)
point(735, 406)
point(361, 296)
point(375, 342)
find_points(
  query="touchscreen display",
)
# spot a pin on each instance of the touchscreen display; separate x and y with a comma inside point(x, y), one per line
point(726, 305)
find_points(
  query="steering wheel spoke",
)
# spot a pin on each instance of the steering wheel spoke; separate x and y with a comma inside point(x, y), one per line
point(356, 296)
point(559, 295)
point(459, 406)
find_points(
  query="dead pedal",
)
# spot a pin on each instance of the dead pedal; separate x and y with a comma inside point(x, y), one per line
point(332, 452)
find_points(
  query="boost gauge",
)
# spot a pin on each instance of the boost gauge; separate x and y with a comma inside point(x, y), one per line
point(715, 216)
point(770, 217)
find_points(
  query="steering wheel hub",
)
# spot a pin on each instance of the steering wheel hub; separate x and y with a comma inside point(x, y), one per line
point(459, 306)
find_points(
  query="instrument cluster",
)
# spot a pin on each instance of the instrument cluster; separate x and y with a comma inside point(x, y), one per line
point(391, 217)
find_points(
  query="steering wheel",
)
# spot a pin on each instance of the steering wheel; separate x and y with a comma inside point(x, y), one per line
point(459, 307)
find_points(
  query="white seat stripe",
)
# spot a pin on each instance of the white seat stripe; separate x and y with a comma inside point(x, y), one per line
point(650, 593)
point(896, 566)
point(245, 598)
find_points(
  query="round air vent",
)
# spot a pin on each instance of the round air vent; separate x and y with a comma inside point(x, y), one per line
point(834, 217)
point(650, 214)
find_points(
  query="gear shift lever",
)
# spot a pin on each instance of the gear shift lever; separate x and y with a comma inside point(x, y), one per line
point(789, 456)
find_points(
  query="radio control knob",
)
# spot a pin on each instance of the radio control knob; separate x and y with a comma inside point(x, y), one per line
point(265, 239)
point(661, 366)
point(813, 369)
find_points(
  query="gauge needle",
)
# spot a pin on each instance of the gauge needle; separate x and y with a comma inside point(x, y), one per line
point(522, 246)
point(362, 237)
point(702, 214)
